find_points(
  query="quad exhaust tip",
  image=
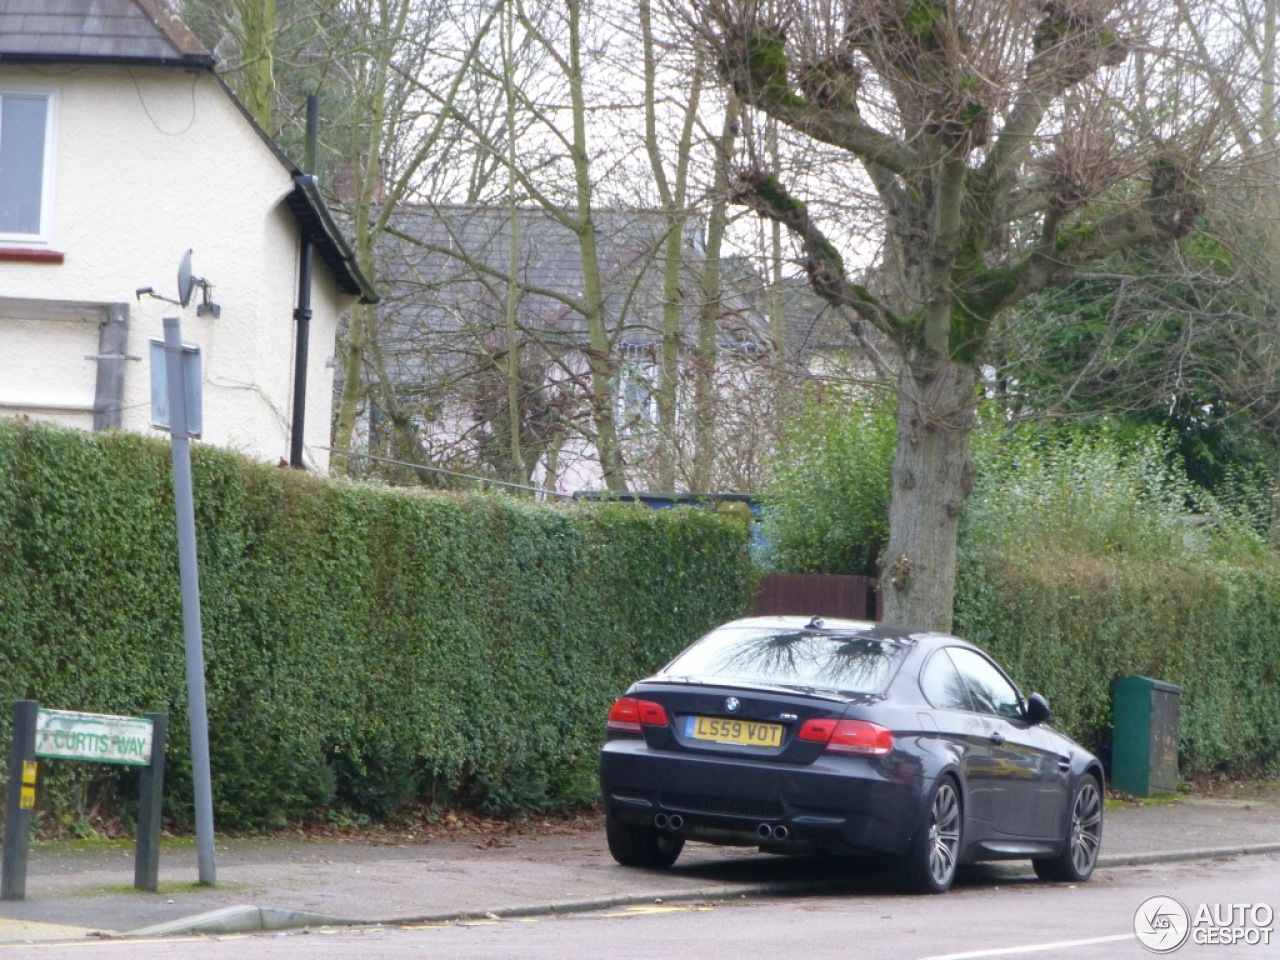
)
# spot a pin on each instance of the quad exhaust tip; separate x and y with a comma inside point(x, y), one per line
point(664, 822)
point(769, 832)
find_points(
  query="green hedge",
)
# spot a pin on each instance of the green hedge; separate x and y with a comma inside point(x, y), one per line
point(1069, 625)
point(364, 647)
point(1086, 555)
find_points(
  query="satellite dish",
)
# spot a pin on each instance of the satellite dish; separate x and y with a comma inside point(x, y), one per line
point(186, 282)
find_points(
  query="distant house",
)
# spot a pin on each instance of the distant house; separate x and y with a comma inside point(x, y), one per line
point(445, 273)
point(120, 148)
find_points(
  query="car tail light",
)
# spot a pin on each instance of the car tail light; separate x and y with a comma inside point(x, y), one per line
point(629, 714)
point(859, 737)
point(819, 731)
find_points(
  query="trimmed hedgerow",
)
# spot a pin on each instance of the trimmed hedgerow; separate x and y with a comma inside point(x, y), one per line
point(1086, 557)
point(364, 646)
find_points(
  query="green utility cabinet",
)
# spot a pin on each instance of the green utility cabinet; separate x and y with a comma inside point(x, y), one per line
point(1144, 745)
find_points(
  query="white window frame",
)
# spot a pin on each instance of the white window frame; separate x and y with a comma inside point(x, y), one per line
point(50, 98)
point(642, 416)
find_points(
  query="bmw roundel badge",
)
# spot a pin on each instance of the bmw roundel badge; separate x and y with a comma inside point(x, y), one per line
point(732, 704)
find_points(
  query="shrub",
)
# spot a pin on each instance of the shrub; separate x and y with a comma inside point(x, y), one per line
point(827, 502)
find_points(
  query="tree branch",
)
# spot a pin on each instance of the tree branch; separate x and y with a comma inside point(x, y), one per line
point(1070, 46)
point(763, 193)
point(1169, 212)
point(753, 60)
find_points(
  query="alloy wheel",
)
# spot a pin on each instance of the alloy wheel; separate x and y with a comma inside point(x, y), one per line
point(1086, 828)
point(944, 835)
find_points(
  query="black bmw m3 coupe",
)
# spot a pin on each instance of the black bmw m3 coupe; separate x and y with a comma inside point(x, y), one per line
point(803, 735)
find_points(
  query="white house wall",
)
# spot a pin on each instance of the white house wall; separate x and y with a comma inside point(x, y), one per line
point(148, 163)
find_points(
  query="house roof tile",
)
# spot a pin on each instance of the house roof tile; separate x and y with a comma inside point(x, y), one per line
point(131, 31)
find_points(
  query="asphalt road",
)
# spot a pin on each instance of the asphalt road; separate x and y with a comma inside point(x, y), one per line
point(984, 916)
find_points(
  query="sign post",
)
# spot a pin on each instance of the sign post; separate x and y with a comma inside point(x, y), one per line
point(146, 866)
point(21, 801)
point(67, 735)
point(188, 574)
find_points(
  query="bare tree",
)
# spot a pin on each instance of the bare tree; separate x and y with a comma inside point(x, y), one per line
point(990, 132)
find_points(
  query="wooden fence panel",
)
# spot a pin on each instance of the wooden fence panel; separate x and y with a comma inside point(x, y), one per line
point(818, 595)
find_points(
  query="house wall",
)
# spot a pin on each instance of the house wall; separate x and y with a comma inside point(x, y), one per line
point(149, 162)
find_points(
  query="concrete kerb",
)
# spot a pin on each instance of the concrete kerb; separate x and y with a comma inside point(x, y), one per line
point(247, 918)
point(252, 919)
point(243, 918)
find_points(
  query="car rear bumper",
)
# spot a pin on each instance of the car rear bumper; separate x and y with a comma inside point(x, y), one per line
point(836, 804)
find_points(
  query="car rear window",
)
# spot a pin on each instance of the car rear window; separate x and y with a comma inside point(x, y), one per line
point(807, 659)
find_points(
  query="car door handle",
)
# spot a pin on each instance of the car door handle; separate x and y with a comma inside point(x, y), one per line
point(997, 738)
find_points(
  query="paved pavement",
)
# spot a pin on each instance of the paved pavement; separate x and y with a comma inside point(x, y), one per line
point(75, 892)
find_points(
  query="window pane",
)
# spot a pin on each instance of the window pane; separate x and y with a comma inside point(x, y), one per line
point(991, 692)
point(942, 686)
point(22, 122)
point(808, 659)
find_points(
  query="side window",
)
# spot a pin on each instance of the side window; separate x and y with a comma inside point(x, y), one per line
point(941, 684)
point(991, 692)
point(25, 130)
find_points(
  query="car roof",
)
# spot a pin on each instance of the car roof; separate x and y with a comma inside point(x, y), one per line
point(867, 628)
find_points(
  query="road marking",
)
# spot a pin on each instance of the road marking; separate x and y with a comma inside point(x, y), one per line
point(645, 910)
point(30, 930)
point(1031, 948)
point(119, 941)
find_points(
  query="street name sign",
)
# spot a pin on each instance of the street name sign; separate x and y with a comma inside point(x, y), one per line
point(93, 736)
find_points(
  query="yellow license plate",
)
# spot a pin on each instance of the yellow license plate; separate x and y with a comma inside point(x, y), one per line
point(741, 732)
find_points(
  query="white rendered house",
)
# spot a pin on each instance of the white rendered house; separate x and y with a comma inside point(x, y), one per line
point(120, 149)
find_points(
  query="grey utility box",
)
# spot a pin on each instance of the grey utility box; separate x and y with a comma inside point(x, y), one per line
point(1144, 745)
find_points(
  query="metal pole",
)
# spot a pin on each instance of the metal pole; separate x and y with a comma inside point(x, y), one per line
point(21, 801)
point(146, 864)
point(184, 503)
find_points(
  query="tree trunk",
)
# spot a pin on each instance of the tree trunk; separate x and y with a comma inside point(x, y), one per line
point(352, 350)
point(932, 476)
point(603, 378)
point(705, 396)
point(519, 472)
point(672, 195)
point(258, 21)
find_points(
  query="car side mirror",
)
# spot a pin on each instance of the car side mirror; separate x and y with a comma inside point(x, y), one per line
point(1037, 709)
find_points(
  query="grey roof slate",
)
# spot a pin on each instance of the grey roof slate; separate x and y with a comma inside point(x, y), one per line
point(452, 271)
point(442, 273)
point(133, 31)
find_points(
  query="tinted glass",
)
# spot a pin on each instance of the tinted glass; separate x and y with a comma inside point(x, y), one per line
point(22, 121)
point(806, 659)
point(942, 686)
point(990, 691)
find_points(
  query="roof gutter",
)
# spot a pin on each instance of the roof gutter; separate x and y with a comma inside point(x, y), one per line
point(204, 64)
point(319, 227)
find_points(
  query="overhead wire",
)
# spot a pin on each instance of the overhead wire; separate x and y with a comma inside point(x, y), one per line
point(486, 481)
